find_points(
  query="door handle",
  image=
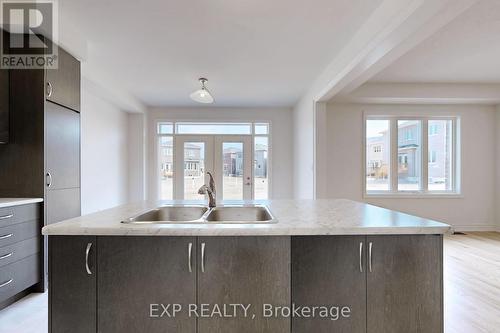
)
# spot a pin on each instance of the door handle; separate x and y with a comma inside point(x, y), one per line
point(87, 252)
point(6, 236)
point(6, 283)
point(190, 250)
point(49, 179)
point(370, 246)
point(49, 89)
point(203, 257)
point(361, 257)
point(5, 256)
point(6, 217)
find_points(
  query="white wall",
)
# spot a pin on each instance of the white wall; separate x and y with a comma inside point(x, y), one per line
point(281, 139)
point(136, 157)
point(104, 160)
point(303, 149)
point(497, 167)
point(475, 210)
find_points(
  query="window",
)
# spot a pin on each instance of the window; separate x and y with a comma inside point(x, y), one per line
point(423, 158)
point(195, 159)
point(378, 163)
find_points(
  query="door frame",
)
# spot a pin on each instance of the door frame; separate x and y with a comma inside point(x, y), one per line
point(179, 142)
point(247, 181)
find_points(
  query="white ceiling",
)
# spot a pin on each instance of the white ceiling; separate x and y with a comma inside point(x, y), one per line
point(253, 52)
point(465, 51)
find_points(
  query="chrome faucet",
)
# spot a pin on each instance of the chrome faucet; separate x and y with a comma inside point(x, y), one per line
point(209, 190)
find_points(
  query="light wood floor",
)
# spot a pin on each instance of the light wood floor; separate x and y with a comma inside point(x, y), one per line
point(471, 282)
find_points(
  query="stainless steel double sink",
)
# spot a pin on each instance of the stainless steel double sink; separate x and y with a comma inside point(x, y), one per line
point(246, 214)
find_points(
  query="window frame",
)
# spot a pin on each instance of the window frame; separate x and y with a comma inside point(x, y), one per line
point(156, 134)
point(423, 192)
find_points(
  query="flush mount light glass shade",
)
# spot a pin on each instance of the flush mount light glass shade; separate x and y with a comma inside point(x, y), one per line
point(202, 95)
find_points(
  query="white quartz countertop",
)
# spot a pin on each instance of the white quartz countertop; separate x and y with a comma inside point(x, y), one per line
point(295, 217)
point(9, 202)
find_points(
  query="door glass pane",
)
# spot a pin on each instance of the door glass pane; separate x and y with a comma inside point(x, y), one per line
point(166, 158)
point(377, 155)
point(232, 173)
point(440, 155)
point(213, 128)
point(260, 168)
point(194, 169)
point(409, 155)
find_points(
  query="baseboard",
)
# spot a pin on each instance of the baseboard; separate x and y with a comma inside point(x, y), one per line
point(478, 227)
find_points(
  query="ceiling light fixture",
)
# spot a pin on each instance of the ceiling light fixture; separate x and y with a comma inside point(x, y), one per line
point(202, 95)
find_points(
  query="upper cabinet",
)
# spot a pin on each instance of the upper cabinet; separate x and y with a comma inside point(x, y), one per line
point(4, 106)
point(63, 84)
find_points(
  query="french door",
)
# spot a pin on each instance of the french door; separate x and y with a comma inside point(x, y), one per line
point(227, 157)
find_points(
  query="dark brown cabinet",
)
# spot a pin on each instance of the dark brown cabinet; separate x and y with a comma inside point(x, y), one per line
point(330, 271)
point(72, 284)
point(63, 84)
point(244, 270)
point(135, 272)
point(62, 140)
point(391, 283)
point(4, 106)
point(405, 284)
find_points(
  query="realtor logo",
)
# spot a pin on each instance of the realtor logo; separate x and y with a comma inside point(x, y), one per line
point(29, 34)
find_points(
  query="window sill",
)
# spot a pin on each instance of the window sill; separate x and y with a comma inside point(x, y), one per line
point(413, 196)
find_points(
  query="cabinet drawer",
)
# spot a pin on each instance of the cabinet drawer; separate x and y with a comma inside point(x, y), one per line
point(18, 214)
point(18, 276)
point(19, 232)
point(17, 251)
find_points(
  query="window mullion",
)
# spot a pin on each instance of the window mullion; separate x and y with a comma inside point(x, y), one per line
point(394, 154)
point(425, 156)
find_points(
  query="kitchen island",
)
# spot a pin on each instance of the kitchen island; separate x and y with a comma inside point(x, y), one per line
point(325, 266)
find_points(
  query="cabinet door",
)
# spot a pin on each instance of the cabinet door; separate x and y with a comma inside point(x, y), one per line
point(62, 204)
point(63, 83)
point(62, 147)
point(329, 271)
point(72, 290)
point(405, 284)
point(244, 270)
point(136, 272)
point(4, 105)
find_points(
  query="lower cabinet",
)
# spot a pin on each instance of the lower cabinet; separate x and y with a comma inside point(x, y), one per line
point(405, 284)
point(373, 284)
point(329, 271)
point(391, 284)
point(252, 271)
point(136, 275)
point(72, 284)
point(135, 283)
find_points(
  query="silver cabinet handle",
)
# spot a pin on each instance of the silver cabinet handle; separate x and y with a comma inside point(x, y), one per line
point(6, 216)
point(49, 179)
point(190, 251)
point(361, 257)
point(87, 251)
point(370, 246)
point(6, 283)
point(203, 257)
point(49, 89)
point(5, 256)
point(6, 236)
